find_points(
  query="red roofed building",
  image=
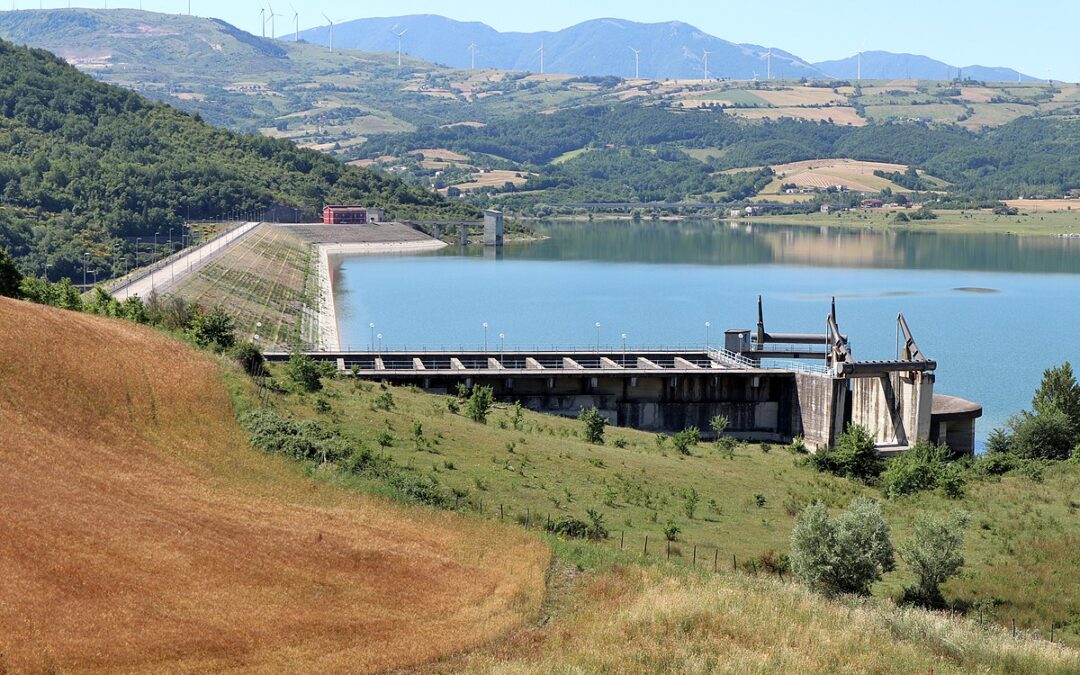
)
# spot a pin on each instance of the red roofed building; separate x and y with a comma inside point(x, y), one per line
point(351, 215)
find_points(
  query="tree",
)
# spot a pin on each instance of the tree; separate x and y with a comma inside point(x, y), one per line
point(250, 358)
point(303, 371)
point(216, 330)
point(594, 425)
point(935, 554)
point(479, 404)
point(1059, 390)
point(842, 554)
point(920, 468)
point(685, 439)
point(1047, 434)
point(855, 455)
point(10, 277)
point(719, 424)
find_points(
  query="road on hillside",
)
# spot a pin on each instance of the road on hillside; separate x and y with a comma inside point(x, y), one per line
point(161, 280)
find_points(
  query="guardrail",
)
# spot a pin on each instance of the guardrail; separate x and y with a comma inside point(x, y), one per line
point(494, 348)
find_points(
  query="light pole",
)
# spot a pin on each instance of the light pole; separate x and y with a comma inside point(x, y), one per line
point(86, 261)
point(380, 342)
point(624, 350)
point(372, 327)
point(708, 325)
point(485, 336)
point(137, 240)
point(502, 346)
point(598, 336)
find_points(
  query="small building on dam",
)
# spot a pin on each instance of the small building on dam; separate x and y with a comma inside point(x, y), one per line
point(771, 386)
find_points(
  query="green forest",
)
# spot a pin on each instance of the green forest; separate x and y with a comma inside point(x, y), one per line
point(1032, 155)
point(86, 167)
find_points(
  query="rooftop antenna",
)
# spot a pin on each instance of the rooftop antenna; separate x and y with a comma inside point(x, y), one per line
point(637, 63)
point(707, 52)
point(541, 51)
point(296, 23)
point(331, 22)
point(399, 36)
point(472, 52)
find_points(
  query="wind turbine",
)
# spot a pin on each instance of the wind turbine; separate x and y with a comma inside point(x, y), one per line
point(399, 36)
point(541, 51)
point(331, 22)
point(262, 20)
point(859, 73)
point(637, 63)
point(296, 23)
point(707, 52)
point(472, 52)
point(273, 25)
point(768, 65)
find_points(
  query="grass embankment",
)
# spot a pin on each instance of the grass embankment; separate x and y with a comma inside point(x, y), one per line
point(1021, 548)
point(140, 532)
point(259, 280)
point(958, 222)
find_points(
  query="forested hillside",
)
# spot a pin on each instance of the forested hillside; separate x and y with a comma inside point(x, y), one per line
point(86, 167)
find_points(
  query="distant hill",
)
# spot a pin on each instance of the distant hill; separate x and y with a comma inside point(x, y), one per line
point(889, 66)
point(601, 47)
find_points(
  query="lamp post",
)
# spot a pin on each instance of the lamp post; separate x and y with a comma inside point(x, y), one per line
point(597, 336)
point(137, 240)
point(86, 261)
point(380, 342)
point(624, 350)
point(502, 346)
point(708, 325)
point(372, 327)
point(485, 337)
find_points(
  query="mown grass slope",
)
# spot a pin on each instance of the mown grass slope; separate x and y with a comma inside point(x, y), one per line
point(140, 532)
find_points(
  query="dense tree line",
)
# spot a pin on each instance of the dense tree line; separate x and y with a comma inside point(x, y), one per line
point(86, 167)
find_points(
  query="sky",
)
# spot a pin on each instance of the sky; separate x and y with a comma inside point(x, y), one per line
point(1036, 36)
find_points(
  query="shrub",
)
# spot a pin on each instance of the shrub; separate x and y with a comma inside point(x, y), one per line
point(798, 446)
point(594, 425)
point(1046, 434)
point(250, 358)
point(321, 406)
point(995, 464)
point(307, 440)
point(10, 277)
point(690, 502)
point(935, 554)
point(214, 330)
point(671, 531)
point(304, 372)
point(517, 417)
point(776, 563)
point(855, 455)
point(568, 526)
point(384, 401)
point(452, 405)
point(920, 468)
point(686, 438)
point(596, 529)
point(997, 442)
point(719, 424)
point(479, 404)
point(842, 554)
point(759, 499)
point(619, 443)
point(385, 439)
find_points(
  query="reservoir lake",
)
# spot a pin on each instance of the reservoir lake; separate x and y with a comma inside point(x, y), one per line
point(993, 310)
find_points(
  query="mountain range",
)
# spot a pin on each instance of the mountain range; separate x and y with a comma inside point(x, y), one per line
point(605, 47)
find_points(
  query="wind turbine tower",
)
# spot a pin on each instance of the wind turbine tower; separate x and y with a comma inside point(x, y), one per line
point(399, 36)
point(768, 65)
point(637, 63)
point(331, 22)
point(273, 24)
point(541, 51)
point(707, 52)
point(858, 76)
point(472, 53)
point(296, 23)
point(262, 20)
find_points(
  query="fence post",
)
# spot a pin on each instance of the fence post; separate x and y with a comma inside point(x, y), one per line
point(1051, 633)
point(646, 551)
point(500, 512)
point(526, 518)
point(1014, 627)
point(669, 549)
point(734, 565)
point(622, 539)
point(695, 555)
point(715, 559)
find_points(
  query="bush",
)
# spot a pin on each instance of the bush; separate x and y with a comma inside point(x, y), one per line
point(10, 277)
point(671, 531)
point(1046, 434)
point(842, 554)
point(935, 554)
point(798, 446)
point(250, 358)
point(304, 372)
point(686, 438)
point(384, 401)
point(997, 442)
point(855, 455)
point(920, 468)
point(214, 330)
point(479, 404)
point(307, 440)
point(594, 425)
point(776, 563)
point(719, 424)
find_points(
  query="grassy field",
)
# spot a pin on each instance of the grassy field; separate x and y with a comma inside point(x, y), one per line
point(963, 222)
point(141, 533)
point(259, 280)
point(744, 505)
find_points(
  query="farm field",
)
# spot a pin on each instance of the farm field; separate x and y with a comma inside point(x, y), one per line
point(743, 505)
point(152, 538)
point(973, 222)
point(259, 280)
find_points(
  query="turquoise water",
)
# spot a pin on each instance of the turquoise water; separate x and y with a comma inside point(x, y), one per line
point(994, 311)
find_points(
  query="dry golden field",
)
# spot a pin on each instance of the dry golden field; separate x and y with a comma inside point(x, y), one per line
point(140, 533)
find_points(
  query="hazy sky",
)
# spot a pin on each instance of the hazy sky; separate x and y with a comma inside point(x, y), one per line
point(1037, 36)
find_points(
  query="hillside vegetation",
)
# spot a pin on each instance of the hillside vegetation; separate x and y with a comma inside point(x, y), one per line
point(87, 167)
point(142, 533)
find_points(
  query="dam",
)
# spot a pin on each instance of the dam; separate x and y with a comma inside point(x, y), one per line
point(772, 386)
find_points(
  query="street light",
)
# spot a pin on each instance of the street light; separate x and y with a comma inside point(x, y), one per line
point(624, 350)
point(502, 346)
point(137, 240)
point(86, 261)
point(597, 336)
point(372, 327)
point(708, 325)
point(380, 342)
point(485, 336)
